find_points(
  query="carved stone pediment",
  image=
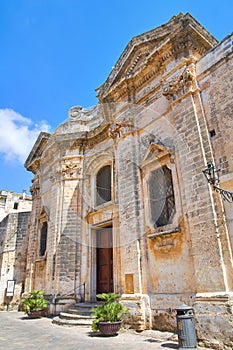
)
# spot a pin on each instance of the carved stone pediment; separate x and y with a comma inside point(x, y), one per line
point(153, 153)
point(45, 213)
point(146, 53)
point(33, 161)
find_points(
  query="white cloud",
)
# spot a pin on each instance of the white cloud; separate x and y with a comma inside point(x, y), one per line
point(17, 135)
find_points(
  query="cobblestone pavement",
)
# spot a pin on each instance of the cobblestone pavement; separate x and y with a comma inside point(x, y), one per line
point(17, 332)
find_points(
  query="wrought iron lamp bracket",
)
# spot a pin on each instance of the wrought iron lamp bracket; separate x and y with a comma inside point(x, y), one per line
point(212, 176)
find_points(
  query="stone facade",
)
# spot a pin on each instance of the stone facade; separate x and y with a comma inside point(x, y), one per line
point(120, 201)
point(15, 212)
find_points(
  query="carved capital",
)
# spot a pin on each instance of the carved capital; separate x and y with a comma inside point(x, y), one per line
point(180, 84)
point(35, 188)
point(117, 129)
point(71, 169)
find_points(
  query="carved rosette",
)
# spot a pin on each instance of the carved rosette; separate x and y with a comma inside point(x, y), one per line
point(180, 84)
point(71, 169)
point(118, 129)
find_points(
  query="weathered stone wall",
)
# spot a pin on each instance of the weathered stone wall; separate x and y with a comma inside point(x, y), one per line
point(13, 255)
point(12, 202)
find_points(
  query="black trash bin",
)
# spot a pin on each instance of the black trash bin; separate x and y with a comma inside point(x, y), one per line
point(185, 328)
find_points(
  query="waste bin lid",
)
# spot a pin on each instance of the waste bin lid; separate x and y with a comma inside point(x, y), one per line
point(184, 307)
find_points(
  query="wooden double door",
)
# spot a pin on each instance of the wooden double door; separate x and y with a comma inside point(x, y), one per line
point(104, 260)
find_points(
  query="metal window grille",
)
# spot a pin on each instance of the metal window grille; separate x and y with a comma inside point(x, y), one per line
point(162, 200)
point(103, 185)
point(43, 238)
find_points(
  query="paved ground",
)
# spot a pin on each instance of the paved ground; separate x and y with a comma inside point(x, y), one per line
point(17, 332)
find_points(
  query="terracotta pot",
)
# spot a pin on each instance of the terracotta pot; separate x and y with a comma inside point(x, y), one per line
point(109, 328)
point(35, 314)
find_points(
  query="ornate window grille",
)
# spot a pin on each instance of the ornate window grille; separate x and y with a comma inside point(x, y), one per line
point(162, 200)
point(103, 185)
point(43, 238)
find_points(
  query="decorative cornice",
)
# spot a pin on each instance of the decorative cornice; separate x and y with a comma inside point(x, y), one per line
point(92, 137)
point(33, 161)
point(182, 32)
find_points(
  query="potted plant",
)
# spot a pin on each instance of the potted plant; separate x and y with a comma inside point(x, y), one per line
point(34, 304)
point(109, 315)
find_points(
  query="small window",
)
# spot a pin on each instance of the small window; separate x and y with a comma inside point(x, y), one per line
point(103, 185)
point(43, 238)
point(161, 192)
point(16, 205)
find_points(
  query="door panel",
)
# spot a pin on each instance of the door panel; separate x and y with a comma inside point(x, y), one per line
point(104, 254)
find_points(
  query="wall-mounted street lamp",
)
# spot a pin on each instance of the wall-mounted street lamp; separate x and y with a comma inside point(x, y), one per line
point(212, 176)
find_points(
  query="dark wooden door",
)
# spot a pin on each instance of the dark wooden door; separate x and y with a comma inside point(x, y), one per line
point(104, 254)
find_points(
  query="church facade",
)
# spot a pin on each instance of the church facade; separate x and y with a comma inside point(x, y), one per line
point(120, 201)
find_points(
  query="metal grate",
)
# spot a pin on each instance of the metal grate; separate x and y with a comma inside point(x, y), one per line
point(43, 238)
point(161, 192)
point(103, 185)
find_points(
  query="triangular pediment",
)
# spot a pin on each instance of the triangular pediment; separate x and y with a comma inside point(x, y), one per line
point(145, 48)
point(137, 57)
point(155, 152)
point(36, 152)
point(44, 213)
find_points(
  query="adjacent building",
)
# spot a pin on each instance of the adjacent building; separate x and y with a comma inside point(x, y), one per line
point(120, 202)
point(15, 210)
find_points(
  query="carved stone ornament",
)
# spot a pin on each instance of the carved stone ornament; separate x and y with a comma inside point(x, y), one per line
point(35, 189)
point(71, 169)
point(166, 243)
point(181, 84)
point(75, 113)
point(120, 128)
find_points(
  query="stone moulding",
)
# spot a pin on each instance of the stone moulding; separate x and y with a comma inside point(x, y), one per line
point(165, 241)
point(163, 233)
point(221, 296)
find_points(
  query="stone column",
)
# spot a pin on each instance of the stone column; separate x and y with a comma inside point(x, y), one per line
point(130, 213)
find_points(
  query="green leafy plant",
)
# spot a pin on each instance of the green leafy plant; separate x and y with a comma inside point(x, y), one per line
point(110, 311)
point(34, 301)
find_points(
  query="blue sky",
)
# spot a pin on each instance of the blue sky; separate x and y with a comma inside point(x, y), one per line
point(55, 53)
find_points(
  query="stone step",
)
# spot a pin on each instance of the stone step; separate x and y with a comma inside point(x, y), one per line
point(71, 316)
point(71, 322)
point(77, 315)
point(80, 311)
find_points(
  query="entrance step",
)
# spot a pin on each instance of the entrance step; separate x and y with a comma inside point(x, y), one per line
point(77, 315)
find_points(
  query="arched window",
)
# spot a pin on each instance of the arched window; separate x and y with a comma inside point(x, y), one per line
point(43, 238)
point(103, 185)
point(161, 192)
